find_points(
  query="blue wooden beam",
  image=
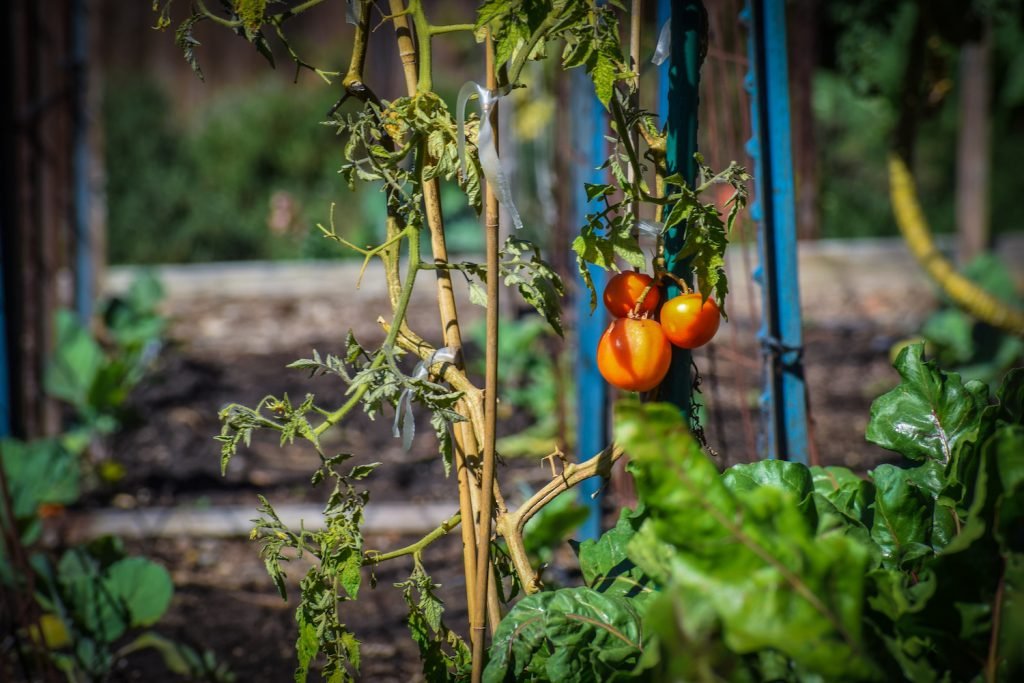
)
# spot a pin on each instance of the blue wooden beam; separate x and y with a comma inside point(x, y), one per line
point(588, 139)
point(784, 406)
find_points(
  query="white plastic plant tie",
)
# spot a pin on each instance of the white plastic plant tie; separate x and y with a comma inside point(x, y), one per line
point(652, 228)
point(405, 422)
point(664, 47)
point(353, 11)
point(489, 161)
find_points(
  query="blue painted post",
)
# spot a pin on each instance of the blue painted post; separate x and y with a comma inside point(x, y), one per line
point(680, 87)
point(783, 403)
point(591, 391)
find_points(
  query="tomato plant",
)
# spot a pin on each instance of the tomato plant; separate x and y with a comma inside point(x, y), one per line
point(412, 146)
point(690, 322)
point(623, 294)
point(634, 354)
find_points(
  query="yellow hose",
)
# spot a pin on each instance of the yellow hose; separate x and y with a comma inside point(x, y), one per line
point(967, 295)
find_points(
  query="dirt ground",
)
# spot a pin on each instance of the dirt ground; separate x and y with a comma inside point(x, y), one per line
point(228, 348)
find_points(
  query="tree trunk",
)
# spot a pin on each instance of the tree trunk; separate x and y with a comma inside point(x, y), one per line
point(973, 151)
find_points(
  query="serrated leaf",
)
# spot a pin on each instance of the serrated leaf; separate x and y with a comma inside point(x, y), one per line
point(187, 43)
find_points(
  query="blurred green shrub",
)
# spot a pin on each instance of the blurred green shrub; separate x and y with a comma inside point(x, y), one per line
point(248, 177)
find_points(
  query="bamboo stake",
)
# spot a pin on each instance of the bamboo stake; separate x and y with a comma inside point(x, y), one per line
point(466, 449)
point(483, 564)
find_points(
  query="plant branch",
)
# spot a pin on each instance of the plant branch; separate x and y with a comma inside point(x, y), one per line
point(353, 81)
point(302, 7)
point(396, 325)
point(230, 23)
point(516, 68)
point(510, 525)
point(450, 28)
point(372, 557)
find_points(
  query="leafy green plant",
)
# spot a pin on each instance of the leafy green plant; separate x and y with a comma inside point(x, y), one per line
point(777, 571)
point(94, 597)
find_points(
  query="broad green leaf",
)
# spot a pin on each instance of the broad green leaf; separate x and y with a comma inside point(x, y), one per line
point(1010, 397)
point(85, 592)
point(76, 362)
point(852, 495)
point(142, 587)
point(606, 565)
point(38, 472)
point(567, 635)
point(791, 477)
point(903, 508)
point(753, 556)
point(929, 414)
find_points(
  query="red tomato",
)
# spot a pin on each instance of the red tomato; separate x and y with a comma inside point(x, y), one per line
point(625, 289)
point(634, 354)
point(687, 323)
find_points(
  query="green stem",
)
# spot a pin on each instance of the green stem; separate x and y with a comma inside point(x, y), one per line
point(353, 80)
point(373, 558)
point(634, 159)
point(520, 61)
point(423, 33)
point(201, 6)
point(300, 8)
point(412, 268)
point(451, 28)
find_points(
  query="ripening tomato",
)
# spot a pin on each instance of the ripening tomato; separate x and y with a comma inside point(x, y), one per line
point(687, 323)
point(625, 289)
point(634, 354)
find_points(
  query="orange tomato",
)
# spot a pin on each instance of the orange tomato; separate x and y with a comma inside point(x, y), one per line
point(687, 323)
point(634, 354)
point(625, 289)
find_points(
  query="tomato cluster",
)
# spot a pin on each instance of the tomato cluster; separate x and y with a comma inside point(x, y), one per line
point(635, 351)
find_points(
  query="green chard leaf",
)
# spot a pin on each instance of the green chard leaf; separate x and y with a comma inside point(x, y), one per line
point(568, 635)
point(929, 414)
point(752, 556)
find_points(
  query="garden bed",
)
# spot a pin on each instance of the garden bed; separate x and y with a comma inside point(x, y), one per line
point(229, 347)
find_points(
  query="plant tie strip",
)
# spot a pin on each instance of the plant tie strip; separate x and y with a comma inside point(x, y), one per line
point(652, 228)
point(405, 422)
point(772, 346)
point(353, 11)
point(663, 49)
point(489, 161)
